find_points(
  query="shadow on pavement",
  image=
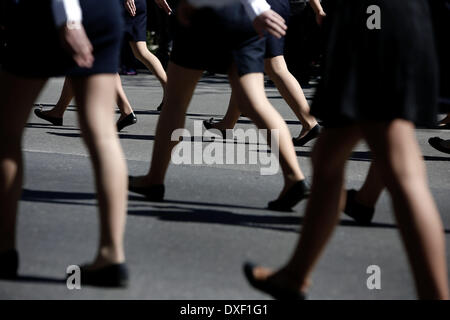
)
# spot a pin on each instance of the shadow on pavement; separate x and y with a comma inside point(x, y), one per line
point(199, 215)
point(38, 279)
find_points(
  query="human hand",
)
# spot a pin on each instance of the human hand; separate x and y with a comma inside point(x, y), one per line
point(76, 42)
point(271, 22)
point(164, 5)
point(131, 7)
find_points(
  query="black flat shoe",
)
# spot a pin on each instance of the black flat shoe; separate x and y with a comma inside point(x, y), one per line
point(9, 263)
point(436, 143)
point(160, 107)
point(53, 120)
point(152, 193)
point(114, 275)
point(312, 134)
point(299, 191)
point(209, 125)
point(127, 121)
point(360, 213)
point(271, 289)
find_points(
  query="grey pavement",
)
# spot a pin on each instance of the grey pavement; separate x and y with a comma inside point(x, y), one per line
point(192, 246)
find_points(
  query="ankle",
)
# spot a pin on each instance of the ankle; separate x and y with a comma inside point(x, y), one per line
point(110, 254)
point(300, 283)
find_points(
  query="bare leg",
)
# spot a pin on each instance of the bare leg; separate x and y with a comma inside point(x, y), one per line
point(401, 167)
point(232, 115)
point(95, 96)
point(16, 94)
point(289, 88)
point(122, 100)
point(249, 91)
point(64, 100)
point(152, 63)
point(291, 91)
point(321, 216)
point(180, 88)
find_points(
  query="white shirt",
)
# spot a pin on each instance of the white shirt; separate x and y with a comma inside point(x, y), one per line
point(253, 7)
point(66, 10)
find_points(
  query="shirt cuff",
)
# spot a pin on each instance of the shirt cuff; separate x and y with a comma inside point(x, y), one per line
point(66, 10)
point(255, 7)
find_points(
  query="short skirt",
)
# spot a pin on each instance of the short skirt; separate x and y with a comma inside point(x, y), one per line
point(34, 48)
point(378, 74)
point(136, 27)
point(216, 38)
point(275, 46)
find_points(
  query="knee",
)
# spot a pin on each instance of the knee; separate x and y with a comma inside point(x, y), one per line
point(400, 176)
point(275, 70)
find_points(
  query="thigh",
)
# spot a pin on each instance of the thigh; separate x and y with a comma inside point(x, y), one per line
point(395, 148)
point(17, 96)
point(333, 147)
point(95, 96)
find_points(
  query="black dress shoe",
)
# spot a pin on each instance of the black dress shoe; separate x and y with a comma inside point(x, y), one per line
point(209, 125)
point(312, 134)
point(360, 213)
point(114, 275)
point(436, 143)
point(152, 193)
point(9, 263)
point(53, 120)
point(299, 191)
point(127, 121)
point(271, 289)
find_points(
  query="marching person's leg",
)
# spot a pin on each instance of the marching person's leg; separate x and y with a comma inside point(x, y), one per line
point(56, 114)
point(95, 96)
point(251, 97)
point(127, 116)
point(321, 216)
point(180, 88)
point(18, 94)
point(401, 166)
point(292, 93)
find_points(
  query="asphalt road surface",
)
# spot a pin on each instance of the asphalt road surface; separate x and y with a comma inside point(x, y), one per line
point(192, 246)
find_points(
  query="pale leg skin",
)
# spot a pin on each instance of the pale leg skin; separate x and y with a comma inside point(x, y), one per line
point(400, 164)
point(95, 97)
point(67, 95)
point(288, 87)
point(17, 96)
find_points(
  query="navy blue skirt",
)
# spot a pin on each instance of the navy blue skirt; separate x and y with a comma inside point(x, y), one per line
point(216, 38)
point(136, 27)
point(34, 48)
point(275, 46)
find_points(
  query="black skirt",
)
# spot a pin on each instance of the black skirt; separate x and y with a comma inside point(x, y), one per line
point(136, 27)
point(216, 38)
point(379, 74)
point(34, 48)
